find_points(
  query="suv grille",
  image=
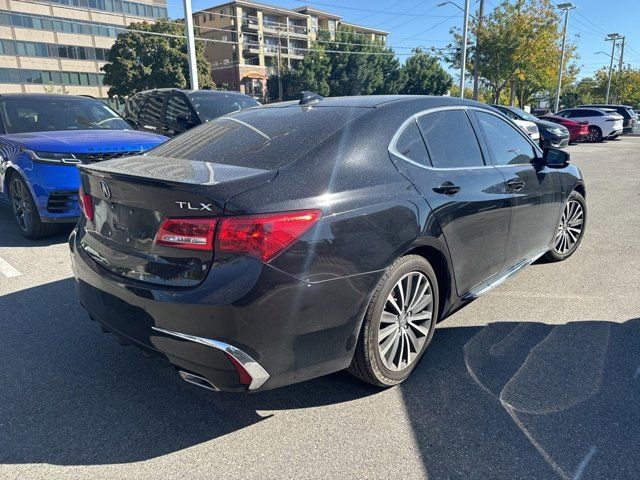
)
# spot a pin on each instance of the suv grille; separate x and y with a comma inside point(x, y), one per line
point(62, 201)
point(99, 157)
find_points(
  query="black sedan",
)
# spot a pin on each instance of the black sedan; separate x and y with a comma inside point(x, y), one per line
point(279, 244)
point(551, 134)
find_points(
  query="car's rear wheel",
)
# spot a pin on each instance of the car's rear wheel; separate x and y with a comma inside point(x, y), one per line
point(399, 323)
point(25, 211)
point(595, 134)
point(570, 228)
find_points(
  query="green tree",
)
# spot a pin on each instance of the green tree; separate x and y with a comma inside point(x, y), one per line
point(519, 47)
point(423, 75)
point(141, 61)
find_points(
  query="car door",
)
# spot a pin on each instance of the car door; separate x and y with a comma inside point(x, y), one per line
point(177, 106)
point(534, 188)
point(440, 153)
point(151, 113)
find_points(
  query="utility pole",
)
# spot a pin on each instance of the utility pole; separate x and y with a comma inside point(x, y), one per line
point(612, 37)
point(465, 33)
point(278, 66)
point(191, 45)
point(566, 7)
point(622, 55)
point(477, 55)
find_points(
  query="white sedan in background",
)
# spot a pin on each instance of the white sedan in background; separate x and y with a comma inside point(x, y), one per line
point(604, 123)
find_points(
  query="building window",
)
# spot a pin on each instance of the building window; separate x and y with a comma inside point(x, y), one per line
point(18, 76)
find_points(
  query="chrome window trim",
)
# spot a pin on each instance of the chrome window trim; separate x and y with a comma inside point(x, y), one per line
point(413, 118)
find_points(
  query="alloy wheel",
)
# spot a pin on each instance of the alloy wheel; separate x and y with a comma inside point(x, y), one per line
point(405, 321)
point(20, 200)
point(593, 135)
point(570, 227)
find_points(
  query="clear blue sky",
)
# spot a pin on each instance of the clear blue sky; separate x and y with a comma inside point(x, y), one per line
point(414, 23)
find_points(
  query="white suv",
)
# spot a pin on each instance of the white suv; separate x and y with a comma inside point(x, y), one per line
point(604, 123)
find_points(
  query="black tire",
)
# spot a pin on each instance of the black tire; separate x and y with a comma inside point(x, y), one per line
point(557, 255)
point(367, 363)
point(25, 211)
point(595, 134)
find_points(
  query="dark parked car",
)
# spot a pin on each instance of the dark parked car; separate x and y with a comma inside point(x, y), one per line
point(170, 111)
point(551, 134)
point(577, 130)
point(628, 114)
point(282, 243)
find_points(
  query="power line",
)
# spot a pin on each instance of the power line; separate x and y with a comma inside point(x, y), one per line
point(368, 10)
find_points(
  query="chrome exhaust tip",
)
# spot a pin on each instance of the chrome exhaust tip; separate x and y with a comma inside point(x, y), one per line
point(197, 380)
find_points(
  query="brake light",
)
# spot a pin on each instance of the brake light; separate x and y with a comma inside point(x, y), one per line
point(244, 378)
point(85, 201)
point(264, 236)
point(189, 233)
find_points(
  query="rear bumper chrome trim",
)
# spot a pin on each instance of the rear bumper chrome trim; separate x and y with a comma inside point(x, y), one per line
point(258, 374)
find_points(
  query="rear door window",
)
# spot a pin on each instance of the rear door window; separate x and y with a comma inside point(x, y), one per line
point(451, 140)
point(411, 145)
point(507, 144)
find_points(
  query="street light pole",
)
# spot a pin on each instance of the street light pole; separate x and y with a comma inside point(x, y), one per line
point(566, 7)
point(191, 45)
point(465, 33)
point(612, 37)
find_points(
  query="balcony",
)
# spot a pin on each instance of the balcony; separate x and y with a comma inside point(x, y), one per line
point(297, 30)
point(250, 22)
point(297, 52)
point(250, 47)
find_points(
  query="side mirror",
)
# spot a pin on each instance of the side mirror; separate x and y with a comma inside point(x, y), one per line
point(185, 120)
point(555, 158)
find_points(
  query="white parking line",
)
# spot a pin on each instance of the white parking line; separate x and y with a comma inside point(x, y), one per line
point(7, 270)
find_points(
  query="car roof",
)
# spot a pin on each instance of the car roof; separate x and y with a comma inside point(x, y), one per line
point(47, 95)
point(374, 101)
point(604, 105)
point(189, 92)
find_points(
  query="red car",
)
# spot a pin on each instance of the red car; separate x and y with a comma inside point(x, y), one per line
point(576, 129)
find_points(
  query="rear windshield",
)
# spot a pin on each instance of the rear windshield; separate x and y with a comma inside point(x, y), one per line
point(210, 106)
point(266, 138)
point(41, 114)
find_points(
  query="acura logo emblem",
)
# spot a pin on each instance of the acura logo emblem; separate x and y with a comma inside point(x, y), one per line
point(104, 188)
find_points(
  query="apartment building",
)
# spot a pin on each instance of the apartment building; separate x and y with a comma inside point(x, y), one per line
point(60, 45)
point(249, 37)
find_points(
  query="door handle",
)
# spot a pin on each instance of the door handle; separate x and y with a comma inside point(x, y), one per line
point(516, 184)
point(447, 188)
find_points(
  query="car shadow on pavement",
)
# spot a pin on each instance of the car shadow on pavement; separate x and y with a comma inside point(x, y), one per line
point(11, 236)
point(507, 400)
point(529, 400)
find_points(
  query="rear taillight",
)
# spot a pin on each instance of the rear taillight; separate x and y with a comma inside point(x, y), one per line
point(189, 233)
point(264, 236)
point(86, 203)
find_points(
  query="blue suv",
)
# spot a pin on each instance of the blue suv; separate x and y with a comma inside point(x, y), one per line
point(43, 137)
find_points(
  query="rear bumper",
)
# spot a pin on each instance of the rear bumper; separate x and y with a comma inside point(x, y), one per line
point(289, 329)
point(615, 133)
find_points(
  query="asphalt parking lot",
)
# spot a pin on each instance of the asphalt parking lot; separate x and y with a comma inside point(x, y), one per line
point(538, 379)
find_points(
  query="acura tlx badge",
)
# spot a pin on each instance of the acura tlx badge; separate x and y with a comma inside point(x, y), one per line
point(190, 206)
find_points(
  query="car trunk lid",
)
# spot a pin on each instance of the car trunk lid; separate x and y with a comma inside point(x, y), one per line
point(130, 199)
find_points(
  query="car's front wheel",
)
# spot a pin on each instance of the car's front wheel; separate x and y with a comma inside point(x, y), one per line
point(25, 211)
point(398, 324)
point(570, 228)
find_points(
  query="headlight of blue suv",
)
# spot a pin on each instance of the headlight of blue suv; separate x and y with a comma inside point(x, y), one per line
point(52, 157)
point(556, 131)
